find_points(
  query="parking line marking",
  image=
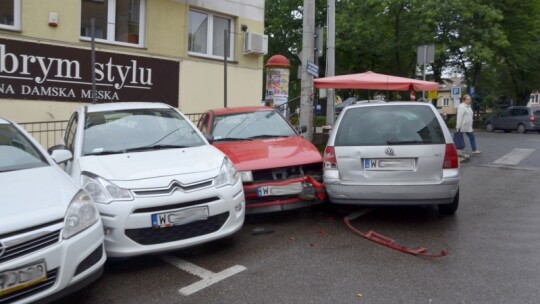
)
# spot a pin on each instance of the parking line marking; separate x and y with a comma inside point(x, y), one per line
point(514, 157)
point(208, 277)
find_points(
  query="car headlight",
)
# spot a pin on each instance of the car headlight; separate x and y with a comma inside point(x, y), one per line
point(103, 191)
point(81, 214)
point(227, 174)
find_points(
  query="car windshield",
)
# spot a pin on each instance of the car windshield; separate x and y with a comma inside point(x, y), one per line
point(389, 125)
point(17, 152)
point(133, 130)
point(252, 125)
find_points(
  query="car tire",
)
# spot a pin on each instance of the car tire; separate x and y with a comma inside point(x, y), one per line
point(490, 127)
point(450, 209)
point(521, 128)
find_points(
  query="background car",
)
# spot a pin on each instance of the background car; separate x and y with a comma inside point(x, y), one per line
point(521, 119)
point(279, 168)
point(158, 184)
point(395, 153)
point(51, 237)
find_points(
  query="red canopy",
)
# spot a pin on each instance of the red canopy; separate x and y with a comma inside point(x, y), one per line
point(374, 81)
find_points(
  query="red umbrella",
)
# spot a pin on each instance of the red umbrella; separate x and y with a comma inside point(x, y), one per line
point(374, 81)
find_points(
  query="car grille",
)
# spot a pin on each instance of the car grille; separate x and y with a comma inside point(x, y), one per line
point(30, 291)
point(37, 239)
point(173, 187)
point(90, 260)
point(284, 173)
point(176, 206)
point(151, 236)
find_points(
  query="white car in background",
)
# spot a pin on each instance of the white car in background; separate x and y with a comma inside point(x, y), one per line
point(157, 182)
point(51, 237)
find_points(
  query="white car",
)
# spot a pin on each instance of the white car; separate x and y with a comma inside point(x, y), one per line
point(157, 182)
point(51, 237)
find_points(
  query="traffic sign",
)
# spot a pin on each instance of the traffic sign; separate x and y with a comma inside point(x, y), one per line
point(456, 92)
point(312, 69)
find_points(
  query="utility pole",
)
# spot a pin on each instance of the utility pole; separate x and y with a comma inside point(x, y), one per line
point(330, 61)
point(306, 102)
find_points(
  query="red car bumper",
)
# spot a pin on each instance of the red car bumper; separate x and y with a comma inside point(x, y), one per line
point(260, 201)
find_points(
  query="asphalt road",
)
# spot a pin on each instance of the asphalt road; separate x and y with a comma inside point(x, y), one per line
point(310, 256)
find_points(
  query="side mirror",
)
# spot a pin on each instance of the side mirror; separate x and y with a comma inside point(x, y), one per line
point(56, 147)
point(301, 129)
point(209, 137)
point(61, 155)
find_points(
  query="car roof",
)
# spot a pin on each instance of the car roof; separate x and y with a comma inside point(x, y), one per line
point(244, 109)
point(389, 104)
point(113, 106)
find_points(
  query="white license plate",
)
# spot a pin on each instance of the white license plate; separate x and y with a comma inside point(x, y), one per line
point(23, 277)
point(289, 189)
point(371, 164)
point(180, 217)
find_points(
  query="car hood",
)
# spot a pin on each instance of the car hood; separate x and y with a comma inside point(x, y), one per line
point(270, 153)
point(34, 196)
point(195, 162)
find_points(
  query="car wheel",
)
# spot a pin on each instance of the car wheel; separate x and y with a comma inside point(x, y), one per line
point(450, 209)
point(521, 128)
point(490, 127)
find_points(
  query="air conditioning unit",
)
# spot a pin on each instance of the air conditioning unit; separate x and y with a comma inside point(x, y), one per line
point(255, 43)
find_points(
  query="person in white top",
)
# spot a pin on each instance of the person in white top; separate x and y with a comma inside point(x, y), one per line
point(464, 122)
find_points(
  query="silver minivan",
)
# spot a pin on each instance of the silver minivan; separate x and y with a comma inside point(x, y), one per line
point(395, 153)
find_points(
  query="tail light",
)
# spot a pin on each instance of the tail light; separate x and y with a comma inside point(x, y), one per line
point(450, 157)
point(531, 118)
point(329, 158)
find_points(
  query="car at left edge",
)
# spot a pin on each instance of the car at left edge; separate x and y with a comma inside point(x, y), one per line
point(51, 237)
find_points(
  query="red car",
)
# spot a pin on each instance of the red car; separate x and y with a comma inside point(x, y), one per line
point(279, 168)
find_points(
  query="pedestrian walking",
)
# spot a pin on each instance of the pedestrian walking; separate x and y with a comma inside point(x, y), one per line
point(464, 122)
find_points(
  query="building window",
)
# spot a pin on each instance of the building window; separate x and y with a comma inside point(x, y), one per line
point(206, 35)
point(116, 21)
point(10, 15)
point(446, 101)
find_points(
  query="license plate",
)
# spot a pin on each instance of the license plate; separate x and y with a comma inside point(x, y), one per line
point(371, 164)
point(289, 189)
point(21, 278)
point(180, 217)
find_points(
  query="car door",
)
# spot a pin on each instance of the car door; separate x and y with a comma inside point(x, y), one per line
point(69, 139)
point(503, 120)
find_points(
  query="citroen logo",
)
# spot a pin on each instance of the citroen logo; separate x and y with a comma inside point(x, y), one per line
point(389, 151)
point(2, 248)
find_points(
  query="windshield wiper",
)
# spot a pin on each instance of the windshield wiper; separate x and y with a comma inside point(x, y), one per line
point(407, 142)
point(106, 152)
point(231, 139)
point(155, 147)
point(267, 136)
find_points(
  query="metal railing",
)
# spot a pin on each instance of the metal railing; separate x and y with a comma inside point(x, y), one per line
point(49, 133)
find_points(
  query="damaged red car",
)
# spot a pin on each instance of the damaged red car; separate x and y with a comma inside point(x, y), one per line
point(279, 168)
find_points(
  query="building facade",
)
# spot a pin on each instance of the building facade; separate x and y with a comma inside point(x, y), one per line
point(169, 51)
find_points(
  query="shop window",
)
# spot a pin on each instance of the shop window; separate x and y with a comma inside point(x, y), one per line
point(116, 21)
point(10, 15)
point(207, 33)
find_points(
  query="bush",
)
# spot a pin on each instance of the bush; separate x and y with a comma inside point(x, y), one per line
point(451, 123)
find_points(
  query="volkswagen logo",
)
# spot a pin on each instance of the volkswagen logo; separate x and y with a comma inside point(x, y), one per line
point(389, 151)
point(2, 248)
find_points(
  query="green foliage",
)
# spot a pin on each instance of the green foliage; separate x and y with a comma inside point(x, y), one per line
point(451, 123)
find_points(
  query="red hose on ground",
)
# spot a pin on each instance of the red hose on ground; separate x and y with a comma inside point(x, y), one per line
point(388, 242)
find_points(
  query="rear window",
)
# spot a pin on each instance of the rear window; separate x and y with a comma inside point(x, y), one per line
point(389, 125)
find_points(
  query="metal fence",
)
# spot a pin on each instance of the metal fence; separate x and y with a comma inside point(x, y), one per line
point(49, 133)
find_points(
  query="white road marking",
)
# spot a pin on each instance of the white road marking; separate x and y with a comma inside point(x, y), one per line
point(208, 277)
point(513, 158)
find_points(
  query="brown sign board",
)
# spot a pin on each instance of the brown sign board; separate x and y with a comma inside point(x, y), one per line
point(36, 71)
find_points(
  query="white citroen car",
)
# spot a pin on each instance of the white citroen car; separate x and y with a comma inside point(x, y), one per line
point(51, 237)
point(157, 182)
